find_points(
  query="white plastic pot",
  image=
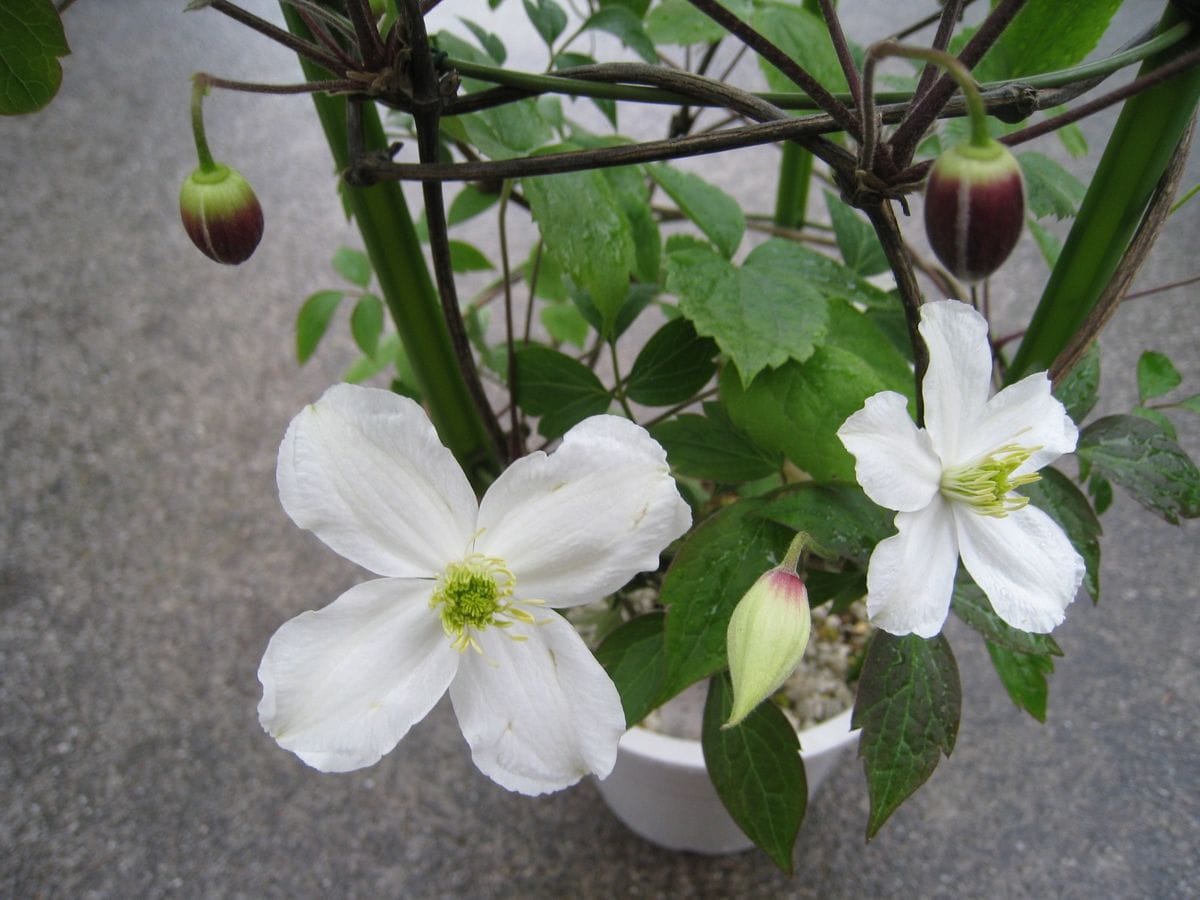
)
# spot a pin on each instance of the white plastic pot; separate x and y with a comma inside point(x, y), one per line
point(660, 789)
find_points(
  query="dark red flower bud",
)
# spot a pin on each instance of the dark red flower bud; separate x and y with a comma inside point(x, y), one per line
point(221, 214)
point(974, 208)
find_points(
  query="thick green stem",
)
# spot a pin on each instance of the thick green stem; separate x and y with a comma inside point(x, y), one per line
point(391, 241)
point(1142, 143)
point(791, 196)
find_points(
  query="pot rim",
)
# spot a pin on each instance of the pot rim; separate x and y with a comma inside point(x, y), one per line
point(688, 753)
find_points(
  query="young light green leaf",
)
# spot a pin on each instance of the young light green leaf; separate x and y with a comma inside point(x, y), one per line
point(856, 239)
point(908, 706)
point(466, 257)
point(632, 654)
point(313, 320)
point(715, 213)
point(757, 771)
point(565, 323)
point(468, 203)
point(1024, 678)
point(1050, 190)
point(1079, 391)
point(353, 265)
point(715, 566)
point(1057, 496)
point(1135, 453)
point(1156, 375)
point(673, 365)
point(366, 323)
point(31, 41)
point(558, 388)
point(761, 313)
point(1191, 404)
point(625, 26)
point(547, 17)
point(711, 448)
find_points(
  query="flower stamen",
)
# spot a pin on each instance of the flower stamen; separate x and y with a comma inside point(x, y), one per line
point(472, 596)
point(988, 483)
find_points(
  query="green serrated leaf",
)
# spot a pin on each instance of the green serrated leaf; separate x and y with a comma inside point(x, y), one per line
point(1156, 375)
point(31, 42)
point(466, 257)
point(839, 518)
point(1135, 453)
point(715, 566)
point(1050, 190)
point(1057, 496)
point(856, 239)
point(1047, 35)
point(633, 656)
point(761, 313)
point(908, 706)
point(468, 203)
point(1024, 678)
point(971, 604)
point(1079, 391)
point(711, 448)
point(353, 265)
point(715, 213)
point(673, 365)
point(625, 26)
point(547, 17)
point(313, 320)
point(558, 388)
point(757, 771)
point(366, 323)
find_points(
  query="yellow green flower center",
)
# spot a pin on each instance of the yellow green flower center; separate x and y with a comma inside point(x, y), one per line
point(987, 484)
point(472, 596)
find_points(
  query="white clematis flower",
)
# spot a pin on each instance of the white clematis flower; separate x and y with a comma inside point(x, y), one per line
point(952, 486)
point(461, 604)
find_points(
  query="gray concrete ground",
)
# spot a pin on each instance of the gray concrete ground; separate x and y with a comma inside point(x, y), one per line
point(145, 561)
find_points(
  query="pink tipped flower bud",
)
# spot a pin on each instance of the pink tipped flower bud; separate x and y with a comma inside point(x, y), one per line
point(767, 635)
point(974, 208)
point(221, 214)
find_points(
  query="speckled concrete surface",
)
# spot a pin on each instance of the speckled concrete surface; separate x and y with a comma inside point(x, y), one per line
point(145, 561)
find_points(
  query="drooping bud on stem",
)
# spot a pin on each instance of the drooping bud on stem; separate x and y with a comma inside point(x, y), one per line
point(768, 633)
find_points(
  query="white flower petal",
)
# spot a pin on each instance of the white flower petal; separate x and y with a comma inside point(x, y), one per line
point(342, 685)
point(578, 524)
point(1025, 414)
point(1024, 563)
point(959, 378)
point(364, 470)
point(894, 461)
point(539, 713)
point(911, 574)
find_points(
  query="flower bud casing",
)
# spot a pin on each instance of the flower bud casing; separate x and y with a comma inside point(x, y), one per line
point(766, 638)
point(221, 214)
point(974, 208)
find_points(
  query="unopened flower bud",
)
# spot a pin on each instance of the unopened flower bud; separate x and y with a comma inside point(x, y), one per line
point(974, 208)
point(221, 214)
point(767, 634)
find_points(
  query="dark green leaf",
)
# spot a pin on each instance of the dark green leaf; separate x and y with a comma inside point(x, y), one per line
point(711, 448)
point(1165, 425)
point(547, 17)
point(625, 26)
point(31, 41)
point(757, 771)
point(313, 320)
point(1156, 375)
point(715, 213)
point(673, 365)
point(856, 239)
point(353, 265)
point(1057, 496)
point(908, 706)
point(466, 257)
point(468, 203)
point(629, 186)
point(1024, 677)
point(1102, 494)
point(559, 389)
point(713, 569)
point(632, 654)
point(366, 323)
point(1079, 391)
point(971, 605)
point(838, 517)
point(1050, 190)
point(1134, 453)
point(843, 588)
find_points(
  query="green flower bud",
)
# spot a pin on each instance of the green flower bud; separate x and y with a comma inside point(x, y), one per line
point(767, 634)
point(974, 208)
point(221, 214)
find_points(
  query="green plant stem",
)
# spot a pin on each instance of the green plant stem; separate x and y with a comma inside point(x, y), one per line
point(976, 111)
point(203, 154)
point(791, 195)
point(1143, 141)
point(395, 251)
